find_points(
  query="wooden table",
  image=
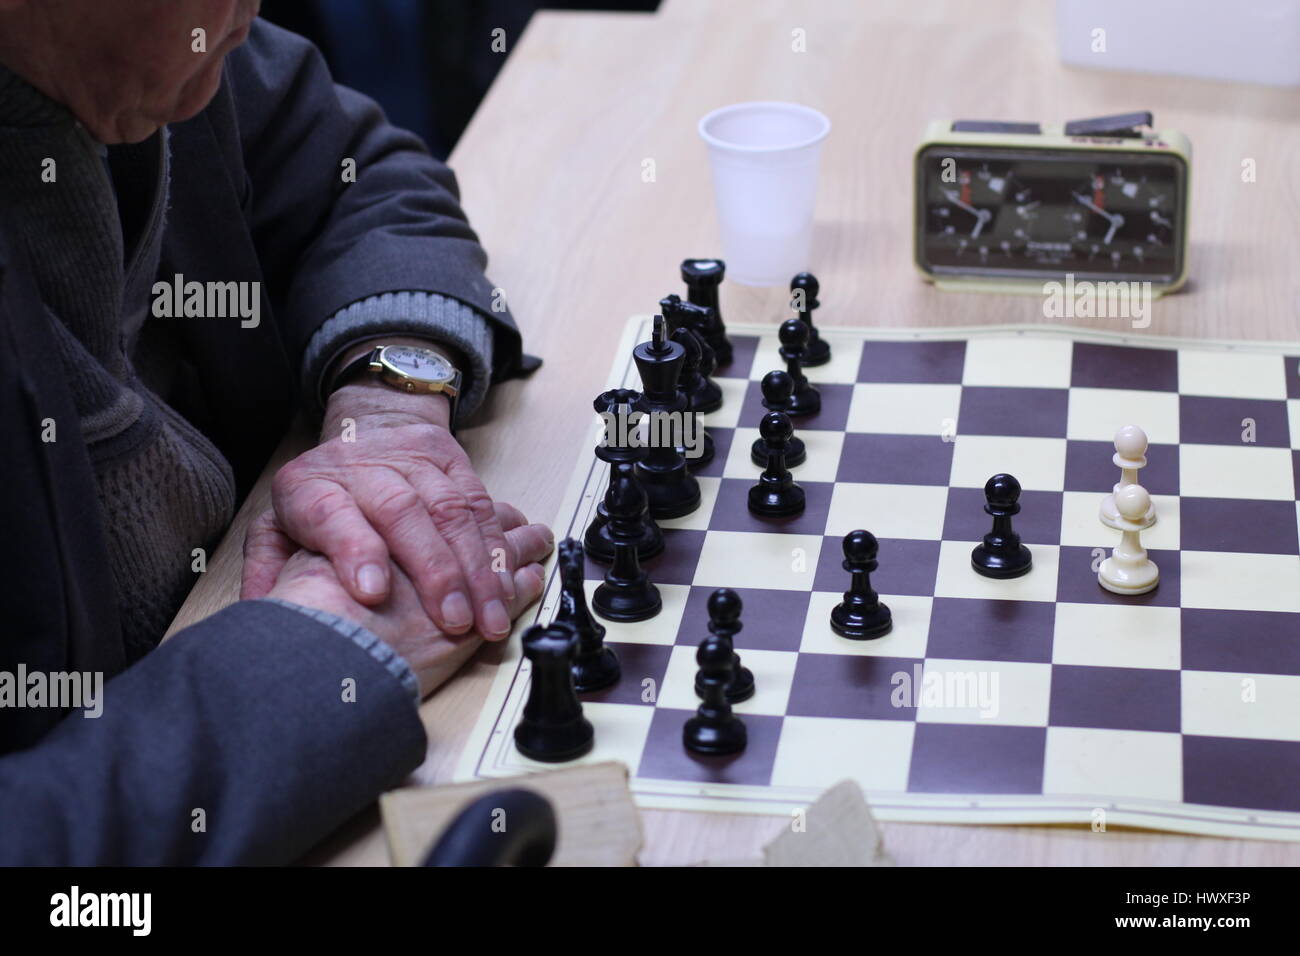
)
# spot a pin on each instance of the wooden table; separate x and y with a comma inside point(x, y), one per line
point(551, 172)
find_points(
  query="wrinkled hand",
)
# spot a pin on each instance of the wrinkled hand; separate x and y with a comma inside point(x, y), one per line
point(403, 491)
point(400, 621)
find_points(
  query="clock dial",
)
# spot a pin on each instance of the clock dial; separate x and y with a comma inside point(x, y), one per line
point(1032, 212)
point(419, 364)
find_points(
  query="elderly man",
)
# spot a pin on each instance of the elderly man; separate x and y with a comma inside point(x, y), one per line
point(198, 236)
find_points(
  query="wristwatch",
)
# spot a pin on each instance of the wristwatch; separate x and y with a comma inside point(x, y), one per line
point(406, 367)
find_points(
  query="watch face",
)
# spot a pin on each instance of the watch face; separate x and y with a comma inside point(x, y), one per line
point(419, 364)
point(1028, 213)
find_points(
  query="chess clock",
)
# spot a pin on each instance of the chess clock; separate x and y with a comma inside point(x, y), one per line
point(1005, 207)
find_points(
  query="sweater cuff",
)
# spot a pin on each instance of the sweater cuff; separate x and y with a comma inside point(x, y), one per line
point(422, 314)
point(388, 658)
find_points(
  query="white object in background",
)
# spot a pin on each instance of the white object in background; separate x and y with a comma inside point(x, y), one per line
point(765, 158)
point(1255, 41)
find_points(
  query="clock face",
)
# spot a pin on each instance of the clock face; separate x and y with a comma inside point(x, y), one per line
point(419, 364)
point(1018, 213)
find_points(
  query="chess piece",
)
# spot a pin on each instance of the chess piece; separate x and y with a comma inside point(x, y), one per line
point(861, 616)
point(702, 278)
point(803, 299)
point(671, 489)
point(696, 443)
point(705, 394)
point(777, 387)
point(1001, 555)
point(553, 728)
point(804, 399)
point(776, 495)
point(595, 666)
point(714, 730)
point(724, 622)
point(1129, 570)
point(1130, 456)
point(626, 594)
point(617, 407)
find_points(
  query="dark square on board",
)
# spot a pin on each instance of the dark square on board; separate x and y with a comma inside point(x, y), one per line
point(978, 630)
point(731, 510)
point(1238, 524)
point(834, 415)
point(1076, 581)
point(852, 687)
point(1219, 421)
point(1124, 366)
point(1232, 772)
point(1241, 642)
point(924, 363)
point(1018, 412)
point(721, 449)
point(977, 758)
point(638, 662)
point(907, 566)
point(743, 349)
point(1116, 698)
point(1292, 365)
point(1090, 466)
point(895, 459)
point(773, 619)
point(674, 565)
point(1039, 521)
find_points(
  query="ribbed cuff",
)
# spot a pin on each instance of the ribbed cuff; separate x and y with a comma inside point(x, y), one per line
point(391, 661)
point(421, 314)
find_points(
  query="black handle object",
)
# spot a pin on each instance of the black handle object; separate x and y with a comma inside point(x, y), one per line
point(503, 828)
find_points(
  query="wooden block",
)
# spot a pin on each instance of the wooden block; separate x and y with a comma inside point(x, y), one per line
point(598, 822)
point(838, 830)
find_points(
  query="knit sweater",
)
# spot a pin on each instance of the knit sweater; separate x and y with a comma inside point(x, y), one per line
point(92, 219)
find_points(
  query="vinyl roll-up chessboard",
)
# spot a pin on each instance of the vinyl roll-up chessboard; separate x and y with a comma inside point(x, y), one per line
point(1040, 699)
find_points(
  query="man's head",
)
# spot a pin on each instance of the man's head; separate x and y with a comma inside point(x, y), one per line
point(123, 67)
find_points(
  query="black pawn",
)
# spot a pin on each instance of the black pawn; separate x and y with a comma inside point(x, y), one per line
point(616, 406)
point(595, 666)
point(805, 399)
point(1001, 555)
point(819, 350)
point(669, 485)
point(776, 495)
point(714, 730)
point(626, 594)
point(697, 447)
point(724, 622)
point(553, 728)
point(702, 278)
point(777, 388)
point(860, 616)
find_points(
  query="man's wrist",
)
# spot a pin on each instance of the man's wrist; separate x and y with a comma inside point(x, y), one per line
point(371, 397)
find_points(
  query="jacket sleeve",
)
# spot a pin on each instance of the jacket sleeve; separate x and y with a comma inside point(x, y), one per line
point(327, 242)
point(236, 742)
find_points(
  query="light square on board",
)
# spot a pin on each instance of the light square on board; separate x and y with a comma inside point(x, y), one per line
point(957, 579)
point(822, 464)
point(846, 356)
point(1081, 525)
point(697, 520)
point(740, 559)
point(1241, 582)
point(819, 752)
point(1037, 463)
point(905, 409)
point(1017, 360)
point(907, 638)
point(1230, 374)
point(1137, 764)
point(620, 735)
point(1256, 706)
point(1226, 471)
point(1096, 414)
point(984, 692)
point(660, 628)
point(888, 511)
point(733, 398)
point(773, 674)
point(1111, 635)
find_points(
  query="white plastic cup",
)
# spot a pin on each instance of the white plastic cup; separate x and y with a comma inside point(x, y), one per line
point(765, 157)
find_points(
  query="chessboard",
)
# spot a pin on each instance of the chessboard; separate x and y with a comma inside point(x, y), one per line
point(1040, 699)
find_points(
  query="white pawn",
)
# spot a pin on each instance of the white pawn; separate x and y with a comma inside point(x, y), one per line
point(1128, 570)
point(1130, 455)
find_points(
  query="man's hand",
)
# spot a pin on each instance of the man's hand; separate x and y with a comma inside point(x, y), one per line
point(402, 490)
point(311, 580)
